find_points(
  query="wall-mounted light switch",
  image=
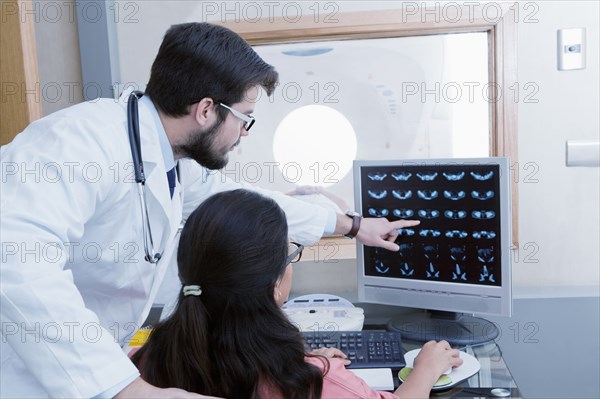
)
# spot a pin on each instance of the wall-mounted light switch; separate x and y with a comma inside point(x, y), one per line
point(571, 49)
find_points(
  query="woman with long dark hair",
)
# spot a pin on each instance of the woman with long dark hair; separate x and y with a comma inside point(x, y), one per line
point(228, 336)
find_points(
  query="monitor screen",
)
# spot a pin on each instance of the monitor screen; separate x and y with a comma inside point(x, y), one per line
point(458, 258)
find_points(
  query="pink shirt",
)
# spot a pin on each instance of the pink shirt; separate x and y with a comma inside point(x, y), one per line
point(340, 383)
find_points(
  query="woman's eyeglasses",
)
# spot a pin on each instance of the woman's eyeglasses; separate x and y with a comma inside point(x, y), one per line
point(295, 252)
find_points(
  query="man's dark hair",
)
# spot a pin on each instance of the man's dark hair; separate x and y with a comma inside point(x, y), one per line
point(198, 60)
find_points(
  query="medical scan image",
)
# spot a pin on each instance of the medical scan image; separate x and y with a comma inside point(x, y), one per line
point(401, 176)
point(378, 263)
point(458, 206)
point(427, 195)
point(429, 213)
point(427, 176)
point(406, 251)
point(487, 274)
point(454, 195)
point(482, 176)
point(378, 194)
point(459, 273)
point(485, 255)
point(406, 232)
point(380, 267)
point(458, 254)
point(402, 194)
point(454, 176)
point(403, 213)
point(481, 195)
point(457, 234)
point(455, 214)
point(377, 176)
point(378, 212)
point(483, 235)
point(429, 233)
point(432, 255)
point(483, 214)
point(406, 255)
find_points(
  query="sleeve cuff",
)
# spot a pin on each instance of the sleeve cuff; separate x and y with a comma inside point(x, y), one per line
point(113, 391)
point(331, 222)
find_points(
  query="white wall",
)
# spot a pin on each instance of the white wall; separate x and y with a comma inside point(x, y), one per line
point(559, 206)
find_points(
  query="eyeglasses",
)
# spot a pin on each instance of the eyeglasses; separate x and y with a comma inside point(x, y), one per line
point(248, 120)
point(295, 252)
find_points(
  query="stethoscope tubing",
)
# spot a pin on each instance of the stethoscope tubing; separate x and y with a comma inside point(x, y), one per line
point(133, 129)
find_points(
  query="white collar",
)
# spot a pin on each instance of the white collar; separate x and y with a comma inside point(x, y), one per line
point(165, 147)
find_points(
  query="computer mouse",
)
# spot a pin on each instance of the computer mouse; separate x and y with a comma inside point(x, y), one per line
point(500, 392)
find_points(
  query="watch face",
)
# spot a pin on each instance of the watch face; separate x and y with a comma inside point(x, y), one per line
point(352, 213)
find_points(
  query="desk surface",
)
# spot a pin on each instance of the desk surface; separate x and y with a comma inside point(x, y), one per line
point(493, 374)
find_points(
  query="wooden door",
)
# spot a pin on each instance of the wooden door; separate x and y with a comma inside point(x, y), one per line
point(20, 101)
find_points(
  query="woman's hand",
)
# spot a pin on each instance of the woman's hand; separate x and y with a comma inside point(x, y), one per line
point(433, 360)
point(331, 353)
point(437, 357)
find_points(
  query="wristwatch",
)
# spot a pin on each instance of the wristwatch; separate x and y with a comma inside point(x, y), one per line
point(356, 218)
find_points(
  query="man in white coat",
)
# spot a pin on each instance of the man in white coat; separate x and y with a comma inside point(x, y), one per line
point(79, 268)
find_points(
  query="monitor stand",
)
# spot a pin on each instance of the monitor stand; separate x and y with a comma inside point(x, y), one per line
point(456, 328)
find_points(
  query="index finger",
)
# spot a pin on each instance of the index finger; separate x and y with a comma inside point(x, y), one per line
point(399, 224)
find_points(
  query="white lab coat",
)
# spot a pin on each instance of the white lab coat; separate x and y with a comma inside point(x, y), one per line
point(74, 282)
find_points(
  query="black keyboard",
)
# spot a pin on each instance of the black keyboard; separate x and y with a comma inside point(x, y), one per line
point(366, 349)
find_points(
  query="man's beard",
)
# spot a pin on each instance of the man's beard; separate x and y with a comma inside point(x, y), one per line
point(199, 147)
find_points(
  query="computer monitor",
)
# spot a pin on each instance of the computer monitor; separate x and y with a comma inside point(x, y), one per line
point(457, 262)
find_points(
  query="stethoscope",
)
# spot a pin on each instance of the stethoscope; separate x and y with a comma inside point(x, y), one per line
point(133, 127)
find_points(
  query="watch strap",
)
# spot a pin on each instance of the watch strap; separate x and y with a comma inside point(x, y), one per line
point(356, 218)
